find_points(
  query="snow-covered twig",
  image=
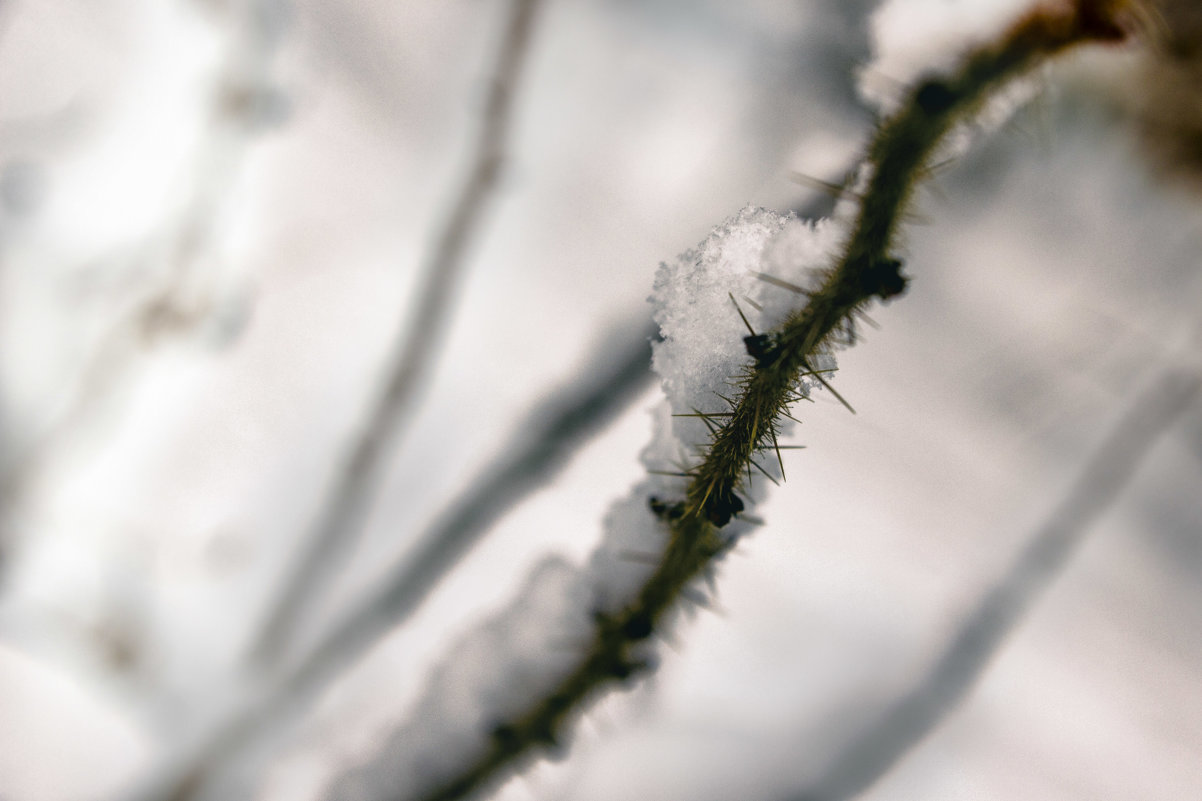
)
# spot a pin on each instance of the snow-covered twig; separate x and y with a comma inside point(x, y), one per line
point(557, 427)
point(537, 450)
point(683, 536)
point(343, 510)
point(555, 431)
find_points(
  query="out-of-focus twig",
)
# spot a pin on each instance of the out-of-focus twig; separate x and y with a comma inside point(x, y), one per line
point(345, 506)
point(982, 633)
point(558, 428)
point(537, 450)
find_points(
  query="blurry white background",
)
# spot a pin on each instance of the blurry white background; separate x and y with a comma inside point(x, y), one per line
point(213, 216)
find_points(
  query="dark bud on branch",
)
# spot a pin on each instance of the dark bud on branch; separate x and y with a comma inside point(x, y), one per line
point(505, 737)
point(885, 279)
point(545, 736)
point(935, 98)
point(638, 626)
point(721, 507)
point(763, 348)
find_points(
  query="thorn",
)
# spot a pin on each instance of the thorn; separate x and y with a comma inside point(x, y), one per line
point(863, 315)
point(742, 316)
point(754, 520)
point(696, 597)
point(671, 473)
point(708, 423)
point(791, 447)
point(940, 166)
point(929, 174)
point(669, 640)
point(833, 391)
point(779, 460)
point(777, 282)
point(723, 397)
point(639, 557)
point(760, 467)
point(753, 304)
point(832, 189)
point(624, 669)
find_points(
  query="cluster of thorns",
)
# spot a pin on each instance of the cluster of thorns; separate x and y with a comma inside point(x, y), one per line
point(765, 350)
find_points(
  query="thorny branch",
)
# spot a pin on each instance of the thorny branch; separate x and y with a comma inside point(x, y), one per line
point(897, 157)
point(531, 459)
point(561, 423)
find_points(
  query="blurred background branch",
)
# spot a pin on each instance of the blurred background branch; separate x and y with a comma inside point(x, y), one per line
point(336, 528)
point(985, 629)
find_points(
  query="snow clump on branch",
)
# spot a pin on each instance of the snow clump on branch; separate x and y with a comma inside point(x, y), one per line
point(520, 653)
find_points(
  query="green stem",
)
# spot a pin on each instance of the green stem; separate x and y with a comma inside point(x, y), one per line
point(897, 156)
